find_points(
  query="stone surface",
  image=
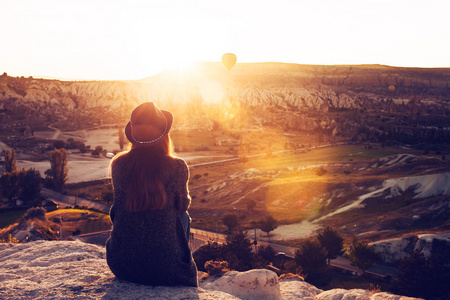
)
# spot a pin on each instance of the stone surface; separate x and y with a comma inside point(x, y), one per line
point(62, 270)
point(253, 284)
point(294, 288)
point(66, 270)
point(341, 294)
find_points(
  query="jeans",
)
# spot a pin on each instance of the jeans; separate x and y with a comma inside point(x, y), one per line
point(186, 221)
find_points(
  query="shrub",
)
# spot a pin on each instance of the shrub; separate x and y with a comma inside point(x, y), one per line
point(211, 251)
point(291, 276)
point(202, 148)
point(36, 213)
point(244, 159)
point(321, 171)
point(216, 267)
point(290, 267)
point(267, 252)
point(197, 176)
point(107, 193)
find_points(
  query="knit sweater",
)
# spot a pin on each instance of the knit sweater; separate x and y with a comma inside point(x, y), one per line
point(150, 247)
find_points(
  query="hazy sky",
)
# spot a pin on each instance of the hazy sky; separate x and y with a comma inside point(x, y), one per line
point(133, 39)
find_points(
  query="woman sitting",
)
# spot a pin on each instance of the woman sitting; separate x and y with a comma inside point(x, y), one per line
point(149, 239)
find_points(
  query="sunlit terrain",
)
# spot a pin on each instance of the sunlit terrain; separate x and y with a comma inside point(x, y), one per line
point(309, 145)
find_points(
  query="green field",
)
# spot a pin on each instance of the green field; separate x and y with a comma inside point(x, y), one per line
point(85, 220)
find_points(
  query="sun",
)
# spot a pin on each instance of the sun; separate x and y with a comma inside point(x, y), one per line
point(181, 66)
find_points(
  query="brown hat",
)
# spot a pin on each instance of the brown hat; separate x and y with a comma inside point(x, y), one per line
point(148, 124)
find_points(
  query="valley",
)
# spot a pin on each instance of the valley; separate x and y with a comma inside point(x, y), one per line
point(309, 145)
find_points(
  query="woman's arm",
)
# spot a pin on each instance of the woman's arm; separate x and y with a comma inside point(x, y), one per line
point(185, 199)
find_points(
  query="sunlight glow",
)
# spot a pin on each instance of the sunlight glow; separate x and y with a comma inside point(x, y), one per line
point(135, 39)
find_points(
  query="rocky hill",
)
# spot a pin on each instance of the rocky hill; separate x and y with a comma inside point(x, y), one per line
point(261, 90)
point(62, 270)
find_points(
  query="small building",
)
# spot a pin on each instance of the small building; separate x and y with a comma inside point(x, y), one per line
point(49, 205)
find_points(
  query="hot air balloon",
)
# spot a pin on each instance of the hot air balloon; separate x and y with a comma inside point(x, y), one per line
point(391, 88)
point(228, 60)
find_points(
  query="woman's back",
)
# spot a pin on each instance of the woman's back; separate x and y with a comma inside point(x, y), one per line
point(150, 246)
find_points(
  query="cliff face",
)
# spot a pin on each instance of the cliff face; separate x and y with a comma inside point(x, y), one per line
point(62, 270)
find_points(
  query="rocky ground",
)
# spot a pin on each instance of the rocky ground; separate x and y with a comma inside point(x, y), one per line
point(61, 270)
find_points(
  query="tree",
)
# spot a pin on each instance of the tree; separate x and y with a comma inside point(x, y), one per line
point(10, 161)
point(238, 252)
point(440, 267)
point(83, 150)
point(414, 275)
point(99, 149)
point(30, 184)
point(331, 241)
point(267, 252)
point(22, 184)
point(59, 144)
point(59, 169)
point(10, 187)
point(231, 221)
point(361, 255)
point(311, 257)
point(121, 139)
point(268, 224)
point(427, 278)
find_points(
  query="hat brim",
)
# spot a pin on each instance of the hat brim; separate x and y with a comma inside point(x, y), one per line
point(130, 138)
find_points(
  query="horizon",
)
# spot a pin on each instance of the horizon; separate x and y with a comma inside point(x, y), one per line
point(95, 40)
point(192, 67)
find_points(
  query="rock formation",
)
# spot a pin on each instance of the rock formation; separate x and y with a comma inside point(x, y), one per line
point(66, 270)
point(396, 249)
point(290, 86)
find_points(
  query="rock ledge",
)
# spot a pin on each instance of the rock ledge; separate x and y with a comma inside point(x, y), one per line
point(61, 270)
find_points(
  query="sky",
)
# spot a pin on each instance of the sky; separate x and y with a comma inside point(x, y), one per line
point(108, 40)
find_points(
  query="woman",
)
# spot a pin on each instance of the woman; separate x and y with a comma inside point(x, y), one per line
point(148, 242)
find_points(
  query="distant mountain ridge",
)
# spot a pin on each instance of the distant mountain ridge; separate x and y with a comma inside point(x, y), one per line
point(432, 82)
point(285, 87)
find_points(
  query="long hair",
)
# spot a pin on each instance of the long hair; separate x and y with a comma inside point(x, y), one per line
point(145, 188)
